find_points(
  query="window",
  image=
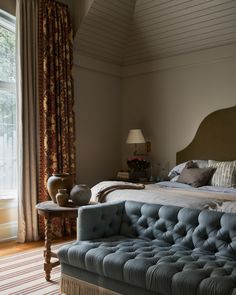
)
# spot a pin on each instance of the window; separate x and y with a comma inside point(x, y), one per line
point(8, 175)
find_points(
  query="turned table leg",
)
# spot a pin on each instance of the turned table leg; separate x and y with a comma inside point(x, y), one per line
point(49, 211)
point(47, 253)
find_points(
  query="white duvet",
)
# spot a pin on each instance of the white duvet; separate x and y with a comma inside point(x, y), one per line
point(168, 193)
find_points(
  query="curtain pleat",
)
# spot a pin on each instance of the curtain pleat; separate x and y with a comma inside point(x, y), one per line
point(57, 127)
point(27, 106)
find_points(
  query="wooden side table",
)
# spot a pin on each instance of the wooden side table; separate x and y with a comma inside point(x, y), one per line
point(49, 210)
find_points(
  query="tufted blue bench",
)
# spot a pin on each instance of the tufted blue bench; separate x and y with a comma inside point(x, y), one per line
point(137, 248)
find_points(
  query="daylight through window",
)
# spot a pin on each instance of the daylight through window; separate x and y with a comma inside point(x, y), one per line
point(7, 106)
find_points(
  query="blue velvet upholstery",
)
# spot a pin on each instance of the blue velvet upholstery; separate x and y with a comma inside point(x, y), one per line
point(102, 220)
point(161, 249)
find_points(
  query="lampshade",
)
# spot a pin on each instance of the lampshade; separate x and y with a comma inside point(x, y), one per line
point(135, 136)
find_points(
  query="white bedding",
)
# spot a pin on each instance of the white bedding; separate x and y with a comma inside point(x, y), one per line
point(207, 188)
point(178, 194)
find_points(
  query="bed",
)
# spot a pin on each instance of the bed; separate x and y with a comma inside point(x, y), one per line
point(214, 144)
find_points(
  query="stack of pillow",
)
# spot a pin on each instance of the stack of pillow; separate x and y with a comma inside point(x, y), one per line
point(202, 172)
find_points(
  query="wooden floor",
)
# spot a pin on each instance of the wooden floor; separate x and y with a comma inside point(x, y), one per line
point(12, 247)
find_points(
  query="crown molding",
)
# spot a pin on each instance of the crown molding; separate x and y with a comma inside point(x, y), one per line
point(207, 56)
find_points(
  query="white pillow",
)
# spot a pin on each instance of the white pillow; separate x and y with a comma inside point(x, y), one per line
point(175, 178)
point(176, 171)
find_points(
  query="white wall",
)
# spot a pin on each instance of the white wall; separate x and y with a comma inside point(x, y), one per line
point(170, 102)
point(98, 124)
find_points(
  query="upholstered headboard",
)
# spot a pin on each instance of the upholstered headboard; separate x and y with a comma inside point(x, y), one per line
point(215, 138)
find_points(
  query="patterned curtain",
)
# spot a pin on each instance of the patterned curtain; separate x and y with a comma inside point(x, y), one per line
point(57, 128)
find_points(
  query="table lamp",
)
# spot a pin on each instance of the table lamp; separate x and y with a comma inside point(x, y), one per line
point(135, 137)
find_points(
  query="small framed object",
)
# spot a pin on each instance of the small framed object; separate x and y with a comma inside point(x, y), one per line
point(124, 175)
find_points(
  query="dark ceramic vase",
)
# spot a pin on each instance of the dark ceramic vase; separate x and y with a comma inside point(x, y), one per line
point(80, 194)
point(59, 181)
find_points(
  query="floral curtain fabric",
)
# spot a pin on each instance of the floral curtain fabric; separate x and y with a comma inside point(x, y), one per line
point(57, 128)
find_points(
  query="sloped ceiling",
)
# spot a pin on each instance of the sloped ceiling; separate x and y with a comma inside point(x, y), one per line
point(104, 31)
point(127, 32)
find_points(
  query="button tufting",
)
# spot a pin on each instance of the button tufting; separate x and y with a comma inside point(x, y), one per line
point(193, 252)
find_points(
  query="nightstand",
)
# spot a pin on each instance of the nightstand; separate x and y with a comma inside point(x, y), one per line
point(133, 181)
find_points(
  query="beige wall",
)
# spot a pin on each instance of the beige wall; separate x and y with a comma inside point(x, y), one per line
point(9, 6)
point(98, 125)
point(169, 103)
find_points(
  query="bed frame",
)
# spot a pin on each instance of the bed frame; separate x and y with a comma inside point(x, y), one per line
point(215, 138)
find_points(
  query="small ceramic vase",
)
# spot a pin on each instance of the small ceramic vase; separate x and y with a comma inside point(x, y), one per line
point(59, 181)
point(80, 194)
point(62, 197)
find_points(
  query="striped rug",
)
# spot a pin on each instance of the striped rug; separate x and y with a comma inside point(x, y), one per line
point(23, 274)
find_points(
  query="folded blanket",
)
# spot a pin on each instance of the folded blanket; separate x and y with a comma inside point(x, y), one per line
point(102, 189)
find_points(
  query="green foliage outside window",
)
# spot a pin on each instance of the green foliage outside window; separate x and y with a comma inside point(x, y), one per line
point(7, 55)
point(7, 75)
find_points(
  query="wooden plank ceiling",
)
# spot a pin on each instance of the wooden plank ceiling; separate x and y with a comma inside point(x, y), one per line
point(127, 32)
point(105, 29)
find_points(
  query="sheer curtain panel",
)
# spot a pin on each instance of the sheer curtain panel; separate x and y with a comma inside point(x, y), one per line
point(27, 96)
